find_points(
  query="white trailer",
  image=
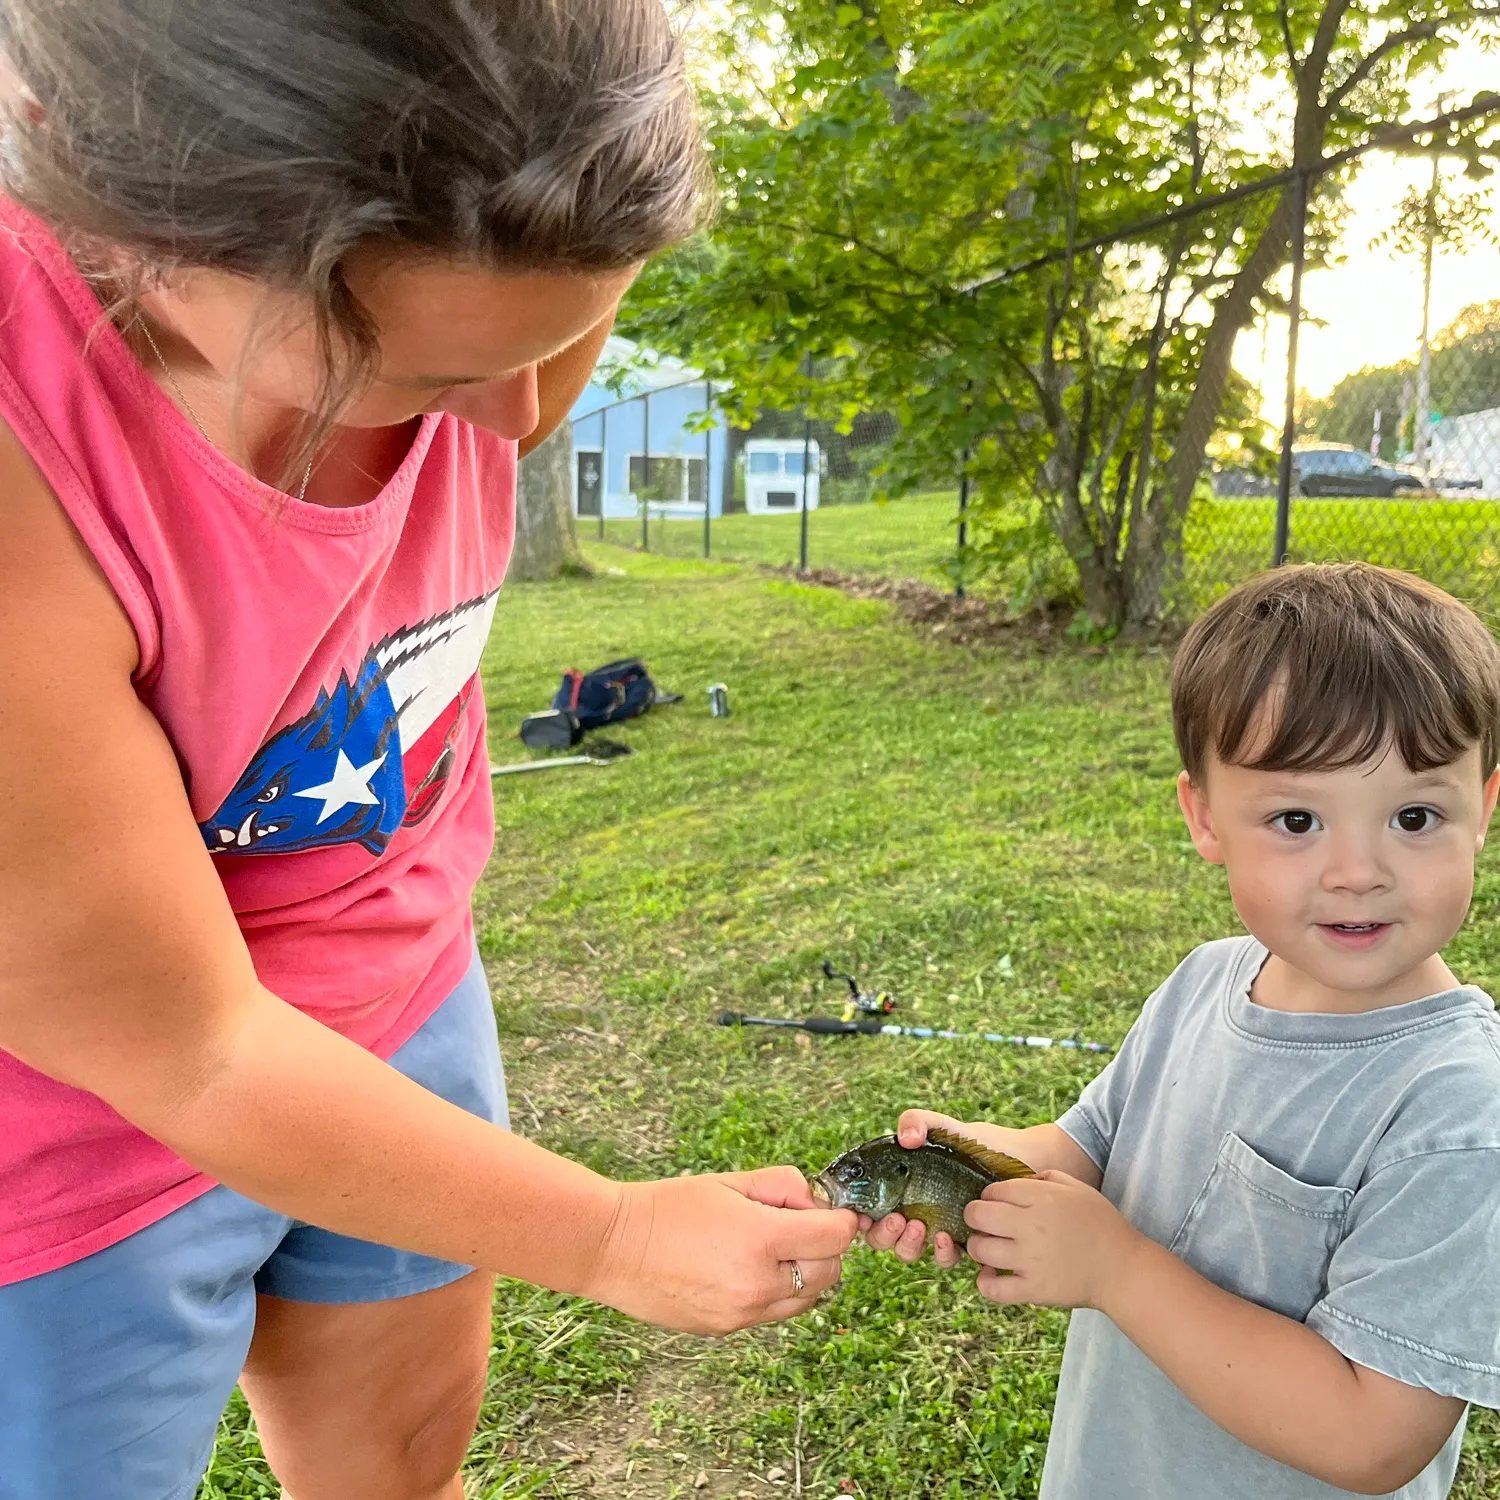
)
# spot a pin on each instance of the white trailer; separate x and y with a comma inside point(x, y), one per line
point(1467, 449)
point(773, 475)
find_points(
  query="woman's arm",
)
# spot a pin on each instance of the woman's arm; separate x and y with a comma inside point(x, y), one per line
point(123, 972)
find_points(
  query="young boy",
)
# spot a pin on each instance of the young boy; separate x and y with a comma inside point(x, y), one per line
point(1277, 1210)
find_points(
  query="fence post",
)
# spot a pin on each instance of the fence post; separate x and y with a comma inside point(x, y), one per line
point(1289, 430)
point(708, 464)
point(604, 467)
point(646, 472)
point(963, 522)
point(806, 452)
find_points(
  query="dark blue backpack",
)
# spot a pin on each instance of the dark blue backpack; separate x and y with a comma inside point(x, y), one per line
point(619, 690)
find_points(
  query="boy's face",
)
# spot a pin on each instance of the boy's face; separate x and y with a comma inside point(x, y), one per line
point(1355, 879)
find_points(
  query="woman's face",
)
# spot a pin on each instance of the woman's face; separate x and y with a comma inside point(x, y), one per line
point(453, 337)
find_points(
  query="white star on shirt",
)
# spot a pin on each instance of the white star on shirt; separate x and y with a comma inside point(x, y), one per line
point(349, 783)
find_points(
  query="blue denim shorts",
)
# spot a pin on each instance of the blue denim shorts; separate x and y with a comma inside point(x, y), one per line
point(114, 1370)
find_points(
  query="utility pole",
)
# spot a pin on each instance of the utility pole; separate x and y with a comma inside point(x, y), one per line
point(646, 470)
point(806, 455)
point(1424, 369)
point(1282, 542)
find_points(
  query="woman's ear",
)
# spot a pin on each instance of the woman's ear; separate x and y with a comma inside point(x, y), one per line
point(1193, 800)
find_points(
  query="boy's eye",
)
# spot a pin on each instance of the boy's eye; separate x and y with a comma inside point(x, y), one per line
point(1296, 821)
point(1416, 819)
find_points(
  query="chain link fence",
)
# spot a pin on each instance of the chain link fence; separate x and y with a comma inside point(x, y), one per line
point(1359, 418)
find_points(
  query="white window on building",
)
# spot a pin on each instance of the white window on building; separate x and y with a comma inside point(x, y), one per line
point(674, 480)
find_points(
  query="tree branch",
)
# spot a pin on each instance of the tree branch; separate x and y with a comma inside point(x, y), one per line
point(1313, 66)
point(1293, 62)
point(847, 237)
point(1392, 42)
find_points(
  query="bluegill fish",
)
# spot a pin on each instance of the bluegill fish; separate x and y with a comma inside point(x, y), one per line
point(931, 1183)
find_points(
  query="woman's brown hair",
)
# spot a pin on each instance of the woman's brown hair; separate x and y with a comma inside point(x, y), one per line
point(271, 138)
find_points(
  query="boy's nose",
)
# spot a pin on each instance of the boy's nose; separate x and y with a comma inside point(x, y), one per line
point(1354, 864)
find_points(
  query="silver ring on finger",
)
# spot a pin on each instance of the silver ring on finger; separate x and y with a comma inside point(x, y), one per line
point(797, 1282)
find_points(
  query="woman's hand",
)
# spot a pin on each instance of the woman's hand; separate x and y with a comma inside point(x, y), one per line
point(713, 1254)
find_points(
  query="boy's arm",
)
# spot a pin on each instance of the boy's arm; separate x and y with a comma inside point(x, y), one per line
point(1269, 1381)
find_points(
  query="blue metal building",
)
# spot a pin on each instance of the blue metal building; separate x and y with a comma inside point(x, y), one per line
point(640, 444)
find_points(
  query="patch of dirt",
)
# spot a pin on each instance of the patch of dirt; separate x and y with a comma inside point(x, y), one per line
point(572, 1077)
point(971, 621)
point(613, 1446)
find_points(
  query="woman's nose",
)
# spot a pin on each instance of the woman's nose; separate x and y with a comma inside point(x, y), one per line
point(508, 407)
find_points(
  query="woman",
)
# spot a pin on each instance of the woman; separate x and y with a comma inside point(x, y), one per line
point(285, 283)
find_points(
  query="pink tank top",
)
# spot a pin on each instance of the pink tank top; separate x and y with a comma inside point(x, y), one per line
point(315, 670)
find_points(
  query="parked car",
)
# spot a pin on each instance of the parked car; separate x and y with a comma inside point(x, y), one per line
point(1338, 469)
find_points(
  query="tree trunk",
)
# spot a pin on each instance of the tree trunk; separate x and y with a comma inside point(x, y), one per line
point(1157, 564)
point(546, 543)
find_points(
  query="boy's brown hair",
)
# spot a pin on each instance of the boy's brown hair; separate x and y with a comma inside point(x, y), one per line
point(1351, 660)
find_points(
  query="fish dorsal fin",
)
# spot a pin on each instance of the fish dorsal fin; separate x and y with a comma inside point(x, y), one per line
point(1004, 1167)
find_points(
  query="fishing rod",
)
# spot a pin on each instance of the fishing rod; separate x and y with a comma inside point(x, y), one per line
point(830, 1026)
point(595, 753)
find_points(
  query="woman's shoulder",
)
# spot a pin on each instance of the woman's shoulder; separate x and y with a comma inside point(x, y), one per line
point(57, 607)
point(43, 295)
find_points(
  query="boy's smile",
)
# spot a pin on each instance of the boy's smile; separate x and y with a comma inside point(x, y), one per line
point(1354, 879)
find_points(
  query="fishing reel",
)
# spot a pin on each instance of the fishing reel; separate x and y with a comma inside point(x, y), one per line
point(860, 1002)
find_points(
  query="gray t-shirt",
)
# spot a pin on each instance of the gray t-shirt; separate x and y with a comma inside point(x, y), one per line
point(1343, 1170)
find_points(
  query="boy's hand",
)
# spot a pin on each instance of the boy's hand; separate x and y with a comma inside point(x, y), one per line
point(1063, 1242)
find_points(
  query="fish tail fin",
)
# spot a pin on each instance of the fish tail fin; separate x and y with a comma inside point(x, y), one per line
point(1004, 1167)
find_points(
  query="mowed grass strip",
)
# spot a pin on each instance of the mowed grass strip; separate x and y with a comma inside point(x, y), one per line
point(991, 835)
point(914, 537)
point(1455, 543)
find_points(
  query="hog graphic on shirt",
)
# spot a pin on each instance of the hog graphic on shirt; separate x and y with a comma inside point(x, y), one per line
point(374, 752)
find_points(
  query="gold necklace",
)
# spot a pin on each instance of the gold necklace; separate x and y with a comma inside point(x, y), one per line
point(187, 405)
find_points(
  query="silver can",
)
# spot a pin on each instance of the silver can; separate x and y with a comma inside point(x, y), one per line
point(718, 701)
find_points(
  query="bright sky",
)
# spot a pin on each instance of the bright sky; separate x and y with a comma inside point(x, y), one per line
point(1367, 309)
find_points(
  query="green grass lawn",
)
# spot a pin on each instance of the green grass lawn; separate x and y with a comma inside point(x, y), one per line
point(990, 834)
point(1455, 543)
point(915, 537)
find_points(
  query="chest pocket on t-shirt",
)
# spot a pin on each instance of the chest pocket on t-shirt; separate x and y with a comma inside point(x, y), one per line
point(1261, 1233)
